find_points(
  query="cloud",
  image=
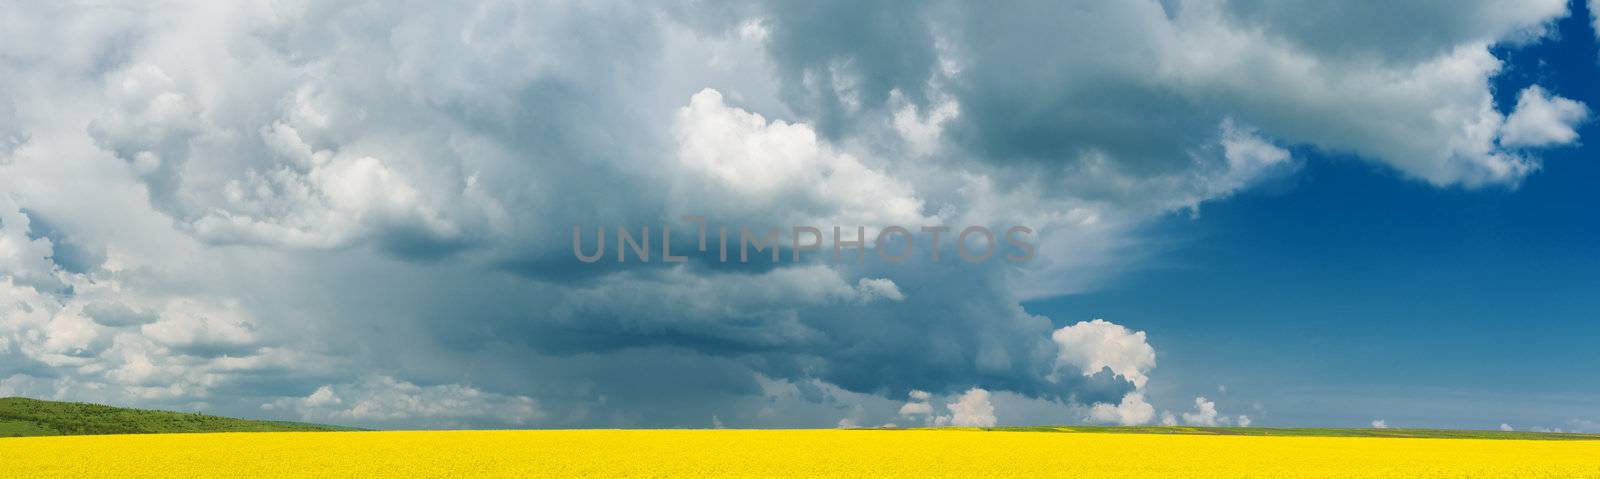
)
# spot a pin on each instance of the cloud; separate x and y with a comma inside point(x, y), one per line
point(875, 288)
point(740, 167)
point(328, 200)
point(1506, 427)
point(26, 257)
point(1090, 346)
point(256, 202)
point(971, 409)
point(1168, 419)
point(1380, 424)
point(1131, 410)
point(384, 400)
point(202, 330)
point(1541, 119)
point(1160, 71)
point(1205, 414)
point(917, 405)
point(118, 314)
point(1594, 16)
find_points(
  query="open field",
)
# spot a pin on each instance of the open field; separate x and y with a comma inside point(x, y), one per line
point(766, 453)
point(1311, 432)
point(106, 443)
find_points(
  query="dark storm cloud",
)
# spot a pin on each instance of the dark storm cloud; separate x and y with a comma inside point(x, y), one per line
point(884, 45)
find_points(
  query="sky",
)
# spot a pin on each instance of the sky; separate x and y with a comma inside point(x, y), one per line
point(1290, 213)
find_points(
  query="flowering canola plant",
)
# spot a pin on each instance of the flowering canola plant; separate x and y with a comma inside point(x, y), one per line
point(768, 453)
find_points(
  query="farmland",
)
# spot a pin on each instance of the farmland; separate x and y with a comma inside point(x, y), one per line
point(769, 453)
point(86, 440)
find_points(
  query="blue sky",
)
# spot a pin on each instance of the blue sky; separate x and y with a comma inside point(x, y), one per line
point(1246, 212)
point(1389, 293)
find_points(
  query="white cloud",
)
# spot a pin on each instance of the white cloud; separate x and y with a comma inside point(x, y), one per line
point(1243, 421)
point(1131, 411)
point(1247, 156)
point(187, 325)
point(1090, 346)
point(918, 405)
point(23, 258)
point(923, 130)
point(322, 397)
point(1205, 414)
point(1542, 119)
point(322, 199)
point(736, 164)
point(971, 409)
point(1380, 424)
point(383, 400)
point(1168, 419)
point(1506, 427)
point(1594, 16)
point(875, 288)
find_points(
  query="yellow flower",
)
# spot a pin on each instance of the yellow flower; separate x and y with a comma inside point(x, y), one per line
point(768, 453)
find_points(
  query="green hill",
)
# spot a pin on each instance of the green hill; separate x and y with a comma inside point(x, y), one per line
point(1310, 431)
point(32, 417)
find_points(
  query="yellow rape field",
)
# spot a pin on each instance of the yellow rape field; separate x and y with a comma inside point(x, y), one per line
point(766, 453)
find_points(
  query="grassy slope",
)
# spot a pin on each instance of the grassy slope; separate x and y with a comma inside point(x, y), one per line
point(32, 417)
point(1308, 431)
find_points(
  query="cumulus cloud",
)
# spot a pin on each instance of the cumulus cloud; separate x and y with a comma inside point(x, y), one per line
point(1380, 424)
point(1130, 411)
point(1205, 414)
point(1542, 119)
point(917, 405)
point(971, 409)
point(739, 165)
point(384, 400)
point(1090, 346)
point(875, 288)
point(1506, 427)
